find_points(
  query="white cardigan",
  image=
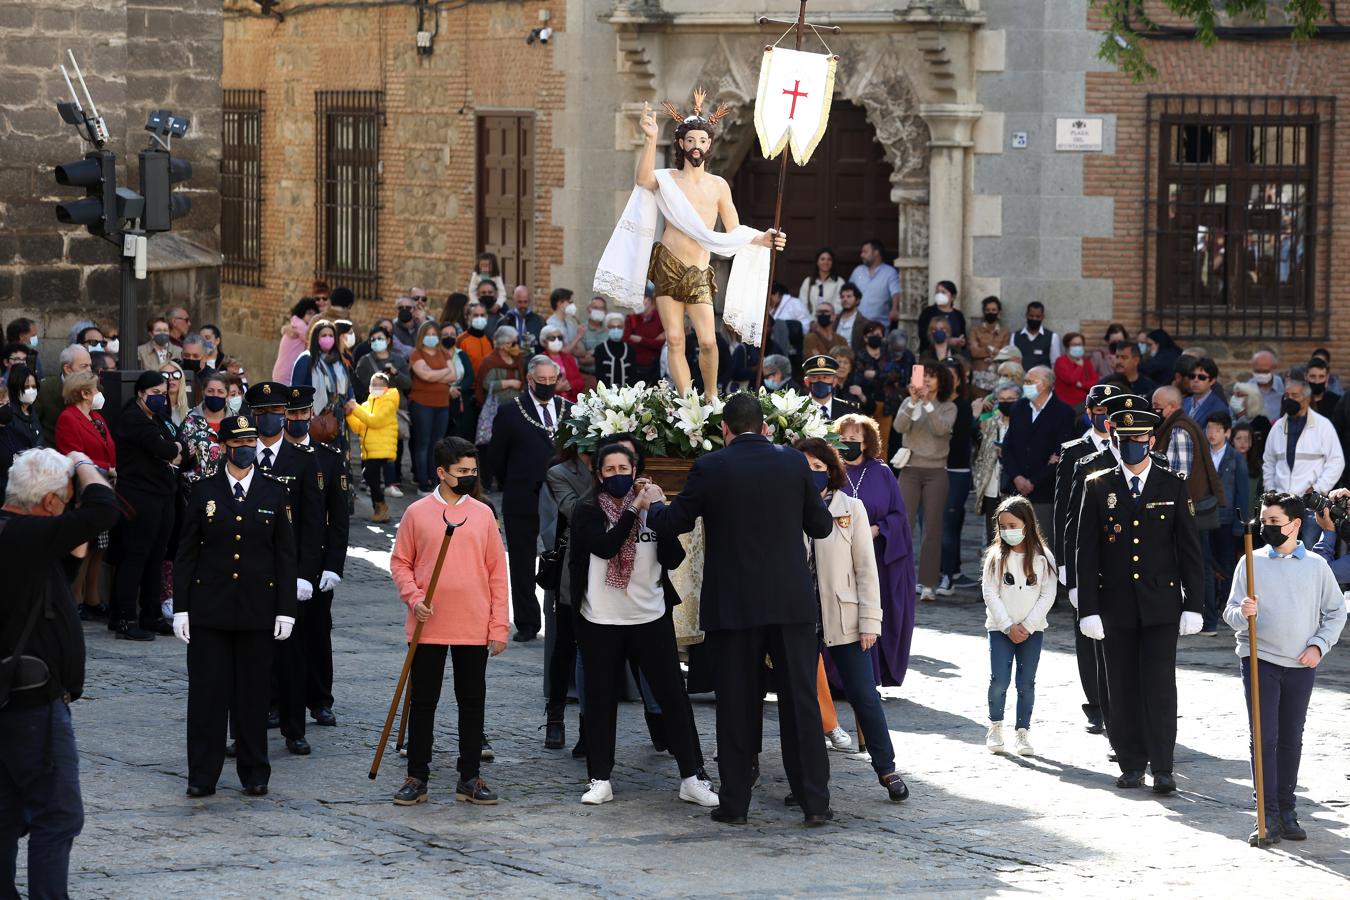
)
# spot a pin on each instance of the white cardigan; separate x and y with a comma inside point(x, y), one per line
point(1018, 603)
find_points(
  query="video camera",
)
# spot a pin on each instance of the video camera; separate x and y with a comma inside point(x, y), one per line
point(1338, 510)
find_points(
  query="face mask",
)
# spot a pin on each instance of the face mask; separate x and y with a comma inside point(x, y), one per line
point(554, 346)
point(464, 485)
point(1005, 407)
point(773, 384)
point(1033, 325)
point(162, 339)
point(98, 400)
point(157, 403)
point(431, 341)
point(404, 314)
point(597, 316)
point(241, 457)
point(190, 365)
point(851, 450)
point(1012, 536)
point(1099, 423)
point(326, 343)
point(616, 334)
point(28, 396)
point(297, 428)
point(379, 345)
point(270, 424)
point(875, 341)
point(991, 318)
point(822, 480)
point(33, 342)
point(1030, 391)
point(1237, 404)
point(478, 323)
point(448, 342)
point(940, 336)
point(1273, 535)
point(570, 311)
point(618, 485)
point(1132, 453)
point(377, 391)
point(1290, 407)
point(1076, 351)
point(113, 346)
point(1318, 388)
point(1263, 377)
point(1143, 348)
point(214, 404)
point(233, 404)
point(543, 392)
point(349, 340)
point(821, 389)
point(207, 346)
point(824, 320)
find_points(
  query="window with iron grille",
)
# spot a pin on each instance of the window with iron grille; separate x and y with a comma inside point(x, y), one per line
point(241, 188)
point(347, 160)
point(1238, 223)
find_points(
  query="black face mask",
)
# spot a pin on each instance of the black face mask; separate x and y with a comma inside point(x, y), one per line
point(874, 341)
point(297, 428)
point(1290, 407)
point(190, 365)
point(405, 315)
point(1006, 406)
point(1273, 535)
point(464, 485)
point(448, 343)
point(270, 424)
point(543, 392)
point(214, 404)
point(824, 320)
point(851, 450)
point(1318, 388)
point(991, 318)
point(1033, 325)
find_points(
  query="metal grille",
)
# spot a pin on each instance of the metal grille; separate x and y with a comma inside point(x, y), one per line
point(241, 188)
point(1238, 226)
point(347, 147)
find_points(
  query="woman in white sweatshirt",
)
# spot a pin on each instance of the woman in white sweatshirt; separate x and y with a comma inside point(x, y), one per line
point(1019, 589)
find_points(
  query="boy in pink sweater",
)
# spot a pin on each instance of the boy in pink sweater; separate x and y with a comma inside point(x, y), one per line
point(467, 617)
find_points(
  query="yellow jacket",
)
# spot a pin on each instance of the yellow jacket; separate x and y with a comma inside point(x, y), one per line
point(376, 421)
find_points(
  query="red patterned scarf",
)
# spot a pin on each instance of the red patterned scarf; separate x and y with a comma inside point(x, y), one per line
point(619, 567)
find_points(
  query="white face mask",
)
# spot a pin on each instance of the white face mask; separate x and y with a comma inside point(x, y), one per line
point(478, 323)
point(233, 404)
point(377, 391)
point(1012, 536)
point(570, 310)
point(941, 299)
point(349, 340)
point(554, 345)
point(1263, 377)
point(114, 345)
point(98, 400)
point(1236, 403)
point(28, 396)
point(597, 315)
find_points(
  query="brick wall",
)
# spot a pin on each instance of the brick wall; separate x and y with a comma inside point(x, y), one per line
point(427, 194)
point(1277, 67)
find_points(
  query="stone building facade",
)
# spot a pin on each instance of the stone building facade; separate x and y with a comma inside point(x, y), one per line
point(137, 56)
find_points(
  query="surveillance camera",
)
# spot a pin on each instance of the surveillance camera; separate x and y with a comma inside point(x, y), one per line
point(544, 34)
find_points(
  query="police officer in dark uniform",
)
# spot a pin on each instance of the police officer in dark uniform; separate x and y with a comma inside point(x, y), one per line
point(297, 467)
point(818, 374)
point(1140, 584)
point(336, 485)
point(234, 594)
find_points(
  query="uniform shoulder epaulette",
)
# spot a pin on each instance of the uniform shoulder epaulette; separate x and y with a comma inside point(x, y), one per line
point(329, 447)
point(268, 476)
point(1067, 445)
point(1093, 476)
point(304, 448)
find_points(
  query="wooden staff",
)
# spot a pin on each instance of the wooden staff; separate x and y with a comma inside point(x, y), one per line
point(1257, 769)
point(403, 721)
point(412, 648)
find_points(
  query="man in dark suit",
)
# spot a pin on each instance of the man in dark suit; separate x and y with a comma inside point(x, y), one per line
point(1142, 584)
point(297, 468)
point(234, 593)
point(336, 486)
point(520, 452)
point(1039, 424)
point(820, 373)
point(756, 500)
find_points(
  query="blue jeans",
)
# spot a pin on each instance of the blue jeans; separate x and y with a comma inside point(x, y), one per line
point(1002, 652)
point(860, 686)
point(953, 520)
point(428, 427)
point(43, 803)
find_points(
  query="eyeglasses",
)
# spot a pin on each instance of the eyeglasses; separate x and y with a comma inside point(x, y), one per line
point(1199, 376)
point(176, 376)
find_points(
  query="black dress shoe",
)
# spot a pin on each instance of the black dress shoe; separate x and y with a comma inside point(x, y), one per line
point(255, 790)
point(1134, 778)
point(1164, 783)
point(194, 790)
point(1290, 830)
point(816, 820)
point(324, 717)
point(895, 786)
point(1273, 833)
point(726, 818)
point(1094, 724)
point(231, 750)
point(790, 800)
point(273, 719)
point(129, 631)
point(158, 626)
point(524, 637)
point(298, 746)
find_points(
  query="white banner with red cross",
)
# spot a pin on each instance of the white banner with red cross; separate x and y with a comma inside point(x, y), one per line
point(792, 106)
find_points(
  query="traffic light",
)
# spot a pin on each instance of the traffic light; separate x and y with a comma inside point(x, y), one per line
point(97, 174)
point(159, 173)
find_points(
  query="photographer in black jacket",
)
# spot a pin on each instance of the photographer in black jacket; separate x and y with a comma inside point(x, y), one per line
point(40, 526)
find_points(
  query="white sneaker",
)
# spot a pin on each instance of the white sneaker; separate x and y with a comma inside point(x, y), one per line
point(944, 588)
point(838, 739)
point(394, 491)
point(926, 595)
point(601, 792)
point(692, 789)
point(993, 738)
point(1022, 745)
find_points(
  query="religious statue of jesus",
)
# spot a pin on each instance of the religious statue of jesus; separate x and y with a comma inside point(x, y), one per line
point(691, 199)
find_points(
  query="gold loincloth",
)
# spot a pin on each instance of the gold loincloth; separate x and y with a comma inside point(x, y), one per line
point(688, 284)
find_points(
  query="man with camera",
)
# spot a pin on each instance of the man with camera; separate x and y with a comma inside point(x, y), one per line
point(1332, 513)
point(42, 659)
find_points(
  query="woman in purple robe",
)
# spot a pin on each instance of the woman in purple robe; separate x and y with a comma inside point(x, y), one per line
point(871, 480)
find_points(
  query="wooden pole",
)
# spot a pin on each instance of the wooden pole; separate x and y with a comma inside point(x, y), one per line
point(777, 221)
point(412, 649)
point(1257, 768)
point(403, 721)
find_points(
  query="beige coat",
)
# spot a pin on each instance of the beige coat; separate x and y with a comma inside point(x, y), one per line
point(846, 570)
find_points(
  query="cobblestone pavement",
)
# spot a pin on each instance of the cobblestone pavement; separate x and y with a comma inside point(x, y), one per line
point(977, 824)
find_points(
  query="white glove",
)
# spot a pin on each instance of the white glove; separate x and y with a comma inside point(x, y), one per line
point(329, 580)
point(303, 590)
point(1191, 623)
point(1091, 626)
point(282, 629)
point(1073, 597)
point(180, 627)
point(1064, 575)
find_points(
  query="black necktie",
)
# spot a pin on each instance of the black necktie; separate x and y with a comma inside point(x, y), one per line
point(267, 458)
point(547, 416)
point(238, 492)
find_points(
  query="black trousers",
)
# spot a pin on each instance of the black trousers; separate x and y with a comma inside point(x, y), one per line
point(738, 657)
point(604, 651)
point(1141, 676)
point(317, 640)
point(563, 658)
point(227, 680)
point(288, 676)
point(142, 541)
point(1092, 674)
point(428, 671)
point(522, 537)
point(372, 470)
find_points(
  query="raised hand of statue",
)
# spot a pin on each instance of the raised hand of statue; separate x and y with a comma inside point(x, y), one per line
point(649, 126)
